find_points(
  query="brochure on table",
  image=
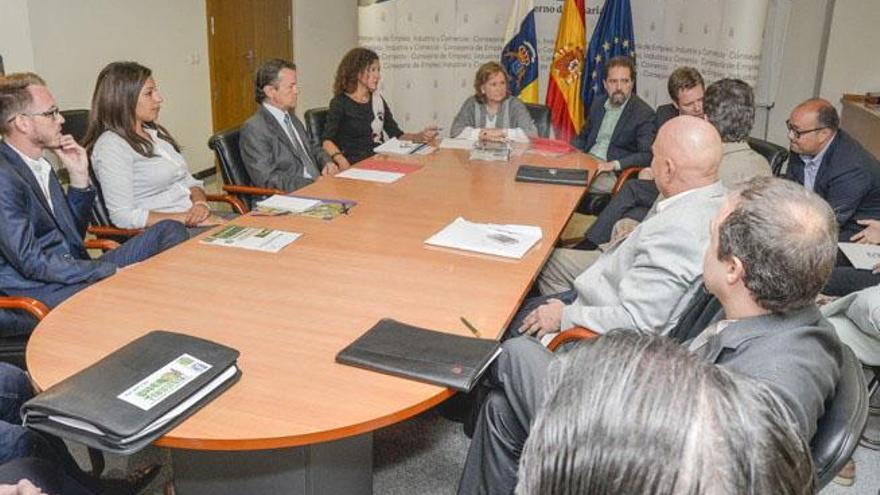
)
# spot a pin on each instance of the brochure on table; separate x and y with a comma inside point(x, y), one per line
point(509, 241)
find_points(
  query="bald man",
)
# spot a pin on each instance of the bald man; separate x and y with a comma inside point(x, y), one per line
point(826, 160)
point(640, 283)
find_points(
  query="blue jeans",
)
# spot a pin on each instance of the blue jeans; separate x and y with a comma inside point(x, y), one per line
point(152, 241)
point(15, 389)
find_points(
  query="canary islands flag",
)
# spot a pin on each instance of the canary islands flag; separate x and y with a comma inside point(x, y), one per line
point(520, 53)
point(566, 72)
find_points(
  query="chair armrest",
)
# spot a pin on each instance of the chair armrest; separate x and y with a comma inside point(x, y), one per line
point(234, 202)
point(571, 335)
point(252, 191)
point(37, 309)
point(102, 244)
point(624, 176)
point(102, 232)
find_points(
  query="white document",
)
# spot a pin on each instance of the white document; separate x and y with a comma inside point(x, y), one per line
point(457, 144)
point(862, 256)
point(288, 203)
point(253, 238)
point(509, 241)
point(402, 147)
point(370, 175)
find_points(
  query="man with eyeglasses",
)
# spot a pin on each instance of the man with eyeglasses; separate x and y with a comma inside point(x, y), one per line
point(42, 254)
point(827, 160)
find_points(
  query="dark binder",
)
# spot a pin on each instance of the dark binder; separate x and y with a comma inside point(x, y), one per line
point(551, 175)
point(87, 407)
point(424, 355)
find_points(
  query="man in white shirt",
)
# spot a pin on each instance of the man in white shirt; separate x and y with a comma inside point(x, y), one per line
point(275, 147)
point(42, 254)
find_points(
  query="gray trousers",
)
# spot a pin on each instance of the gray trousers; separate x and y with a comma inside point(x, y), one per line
point(563, 267)
point(516, 382)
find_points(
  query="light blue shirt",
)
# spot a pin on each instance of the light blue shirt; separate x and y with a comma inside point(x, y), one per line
point(281, 116)
point(606, 130)
point(812, 163)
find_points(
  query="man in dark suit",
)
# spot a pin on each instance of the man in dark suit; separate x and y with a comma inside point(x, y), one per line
point(825, 159)
point(686, 88)
point(772, 247)
point(42, 254)
point(620, 126)
point(275, 147)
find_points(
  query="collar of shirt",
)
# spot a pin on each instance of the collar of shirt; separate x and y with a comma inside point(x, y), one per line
point(278, 113)
point(816, 160)
point(41, 169)
point(734, 147)
point(666, 202)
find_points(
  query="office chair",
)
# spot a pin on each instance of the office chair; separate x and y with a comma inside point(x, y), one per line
point(776, 155)
point(236, 180)
point(541, 115)
point(315, 119)
point(76, 122)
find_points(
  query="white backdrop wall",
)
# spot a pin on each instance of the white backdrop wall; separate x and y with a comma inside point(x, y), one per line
point(430, 50)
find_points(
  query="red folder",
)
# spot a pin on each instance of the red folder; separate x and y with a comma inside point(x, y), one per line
point(550, 145)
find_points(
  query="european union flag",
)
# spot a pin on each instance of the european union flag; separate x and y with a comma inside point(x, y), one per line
point(613, 36)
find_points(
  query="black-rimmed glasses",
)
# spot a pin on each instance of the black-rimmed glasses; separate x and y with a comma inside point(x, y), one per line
point(798, 133)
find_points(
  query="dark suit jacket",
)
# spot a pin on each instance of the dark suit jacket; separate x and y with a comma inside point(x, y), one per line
point(848, 179)
point(632, 137)
point(269, 155)
point(797, 355)
point(665, 113)
point(41, 252)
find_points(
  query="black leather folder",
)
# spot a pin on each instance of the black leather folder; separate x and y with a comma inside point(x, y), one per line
point(551, 175)
point(136, 394)
point(424, 355)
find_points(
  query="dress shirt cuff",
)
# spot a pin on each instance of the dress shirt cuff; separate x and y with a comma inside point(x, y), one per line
point(469, 133)
point(517, 135)
point(616, 164)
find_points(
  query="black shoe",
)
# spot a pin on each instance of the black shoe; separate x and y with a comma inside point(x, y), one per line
point(134, 483)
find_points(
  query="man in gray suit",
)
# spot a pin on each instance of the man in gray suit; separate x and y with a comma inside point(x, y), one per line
point(275, 147)
point(773, 245)
point(641, 283)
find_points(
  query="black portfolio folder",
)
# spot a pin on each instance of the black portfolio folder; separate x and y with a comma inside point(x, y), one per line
point(136, 394)
point(424, 355)
point(551, 175)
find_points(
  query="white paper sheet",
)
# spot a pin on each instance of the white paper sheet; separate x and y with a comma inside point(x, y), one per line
point(457, 144)
point(509, 241)
point(862, 256)
point(253, 238)
point(289, 203)
point(370, 175)
point(396, 146)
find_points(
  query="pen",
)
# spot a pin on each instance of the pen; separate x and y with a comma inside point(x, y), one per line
point(417, 148)
point(470, 327)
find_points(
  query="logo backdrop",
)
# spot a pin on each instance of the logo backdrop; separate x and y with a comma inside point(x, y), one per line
point(430, 50)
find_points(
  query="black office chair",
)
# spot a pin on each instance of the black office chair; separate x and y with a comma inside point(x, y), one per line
point(76, 122)
point(18, 313)
point(315, 119)
point(236, 180)
point(776, 155)
point(839, 429)
point(541, 115)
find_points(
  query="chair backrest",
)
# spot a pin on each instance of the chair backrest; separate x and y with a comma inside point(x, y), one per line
point(76, 122)
point(225, 145)
point(100, 213)
point(776, 155)
point(840, 428)
point(541, 115)
point(700, 312)
point(315, 119)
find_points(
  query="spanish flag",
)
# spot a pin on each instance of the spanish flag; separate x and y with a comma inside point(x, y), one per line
point(566, 71)
point(520, 54)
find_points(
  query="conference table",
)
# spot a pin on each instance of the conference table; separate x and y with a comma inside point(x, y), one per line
point(298, 422)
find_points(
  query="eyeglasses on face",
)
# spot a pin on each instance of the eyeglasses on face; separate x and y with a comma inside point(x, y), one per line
point(797, 133)
point(52, 113)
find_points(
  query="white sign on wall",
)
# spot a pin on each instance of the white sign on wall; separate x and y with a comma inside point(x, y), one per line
point(430, 50)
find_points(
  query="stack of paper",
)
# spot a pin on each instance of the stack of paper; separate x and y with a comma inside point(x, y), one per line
point(862, 256)
point(290, 204)
point(509, 241)
point(457, 144)
point(379, 170)
point(402, 147)
point(253, 238)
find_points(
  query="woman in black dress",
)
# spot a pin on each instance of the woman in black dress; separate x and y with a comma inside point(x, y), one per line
point(359, 118)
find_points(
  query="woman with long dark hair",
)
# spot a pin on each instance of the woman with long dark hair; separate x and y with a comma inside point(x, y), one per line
point(143, 176)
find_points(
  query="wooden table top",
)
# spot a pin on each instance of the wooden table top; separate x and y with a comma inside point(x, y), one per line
point(290, 313)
